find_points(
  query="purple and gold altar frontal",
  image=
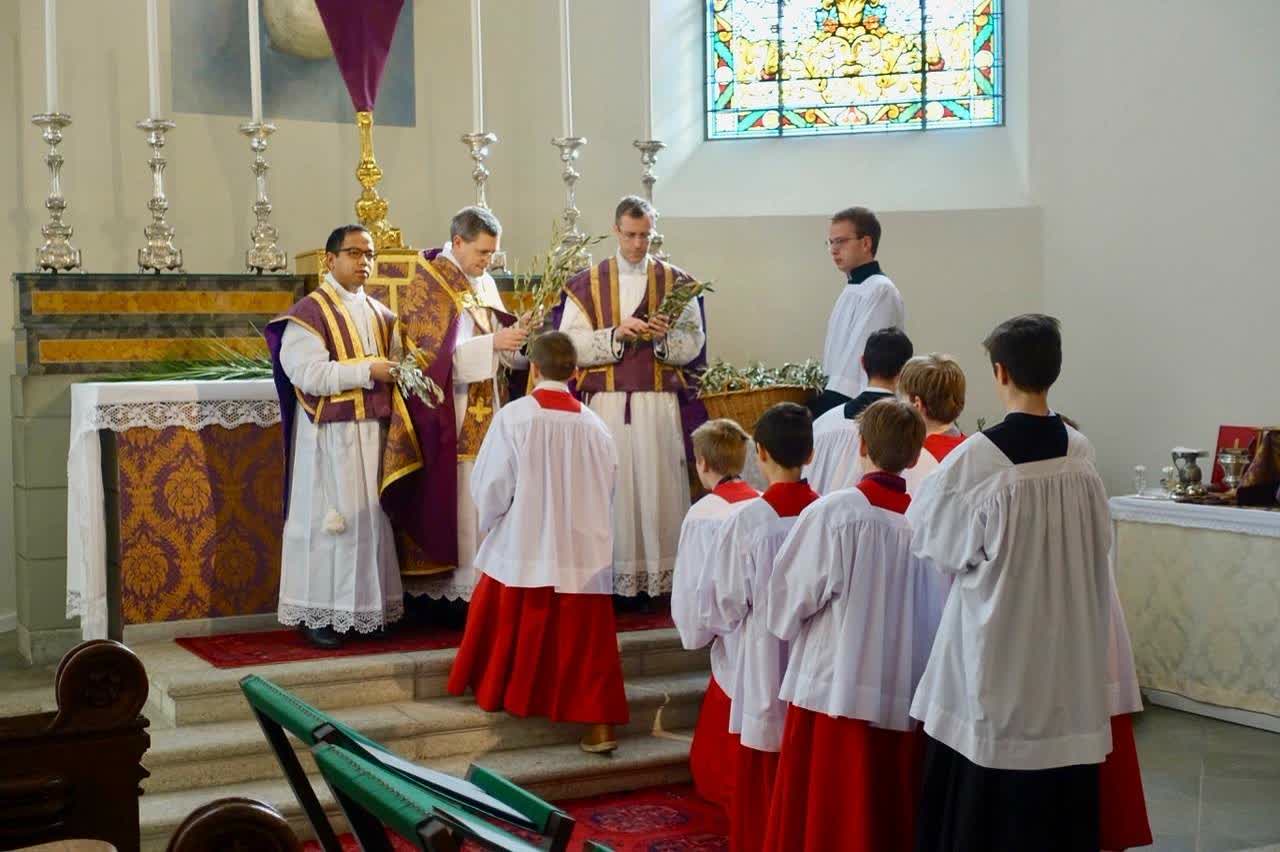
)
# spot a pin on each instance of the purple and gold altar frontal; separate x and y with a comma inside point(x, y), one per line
point(109, 323)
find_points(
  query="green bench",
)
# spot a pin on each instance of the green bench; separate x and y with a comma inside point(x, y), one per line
point(375, 787)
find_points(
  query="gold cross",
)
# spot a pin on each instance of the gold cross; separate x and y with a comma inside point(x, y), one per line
point(479, 411)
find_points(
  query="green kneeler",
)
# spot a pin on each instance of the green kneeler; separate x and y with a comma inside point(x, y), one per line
point(484, 794)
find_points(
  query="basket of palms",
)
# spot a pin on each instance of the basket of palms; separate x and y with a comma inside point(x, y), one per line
point(743, 394)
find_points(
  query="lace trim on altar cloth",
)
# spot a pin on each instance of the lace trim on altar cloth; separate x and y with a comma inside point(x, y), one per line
point(75, 604)
point(628, 584)
point(341, 620)
point(228, 413)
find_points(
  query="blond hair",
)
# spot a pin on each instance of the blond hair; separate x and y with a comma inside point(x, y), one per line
point(722, 445)
point(939, 383)
point(894, 433)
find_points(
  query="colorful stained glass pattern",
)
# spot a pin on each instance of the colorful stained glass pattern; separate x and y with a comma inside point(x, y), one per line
point(806, 67)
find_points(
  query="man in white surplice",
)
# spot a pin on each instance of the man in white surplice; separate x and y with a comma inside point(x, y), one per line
point(868, 302)
point(631, 360)
point(338, 568)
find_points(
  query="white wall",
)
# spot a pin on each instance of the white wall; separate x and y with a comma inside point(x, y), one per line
point(15, 155)
point(1155, 163)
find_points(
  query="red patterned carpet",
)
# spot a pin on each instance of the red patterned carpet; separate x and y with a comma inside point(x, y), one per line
point(658, 819)
point(233, 650)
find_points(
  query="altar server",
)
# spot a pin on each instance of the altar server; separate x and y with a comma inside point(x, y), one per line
point(719, 451)
point(329, 356)
point(934, 385)
point(454, 319)
point(540, 637)
point(835, 434)
point(868, 303)
point(1014, 698)
point(740, 572)
point(860, 613)
point(639, 374)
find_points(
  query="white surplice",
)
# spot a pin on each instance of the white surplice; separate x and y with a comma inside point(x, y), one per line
point(861, 309)
point(689, 610)
point(653, 478)
point(349, 579)
point(543, 484)
point(859, 611)
point(836, 463)
point(741, 569)
point(474, 360)
point(1019, 676)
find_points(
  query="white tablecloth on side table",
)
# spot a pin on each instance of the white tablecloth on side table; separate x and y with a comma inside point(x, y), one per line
point(1201, 593)
point(119, 406)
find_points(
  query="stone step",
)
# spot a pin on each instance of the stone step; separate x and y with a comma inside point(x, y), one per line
point(232, 752)
point(186, 690)
point(554, 772)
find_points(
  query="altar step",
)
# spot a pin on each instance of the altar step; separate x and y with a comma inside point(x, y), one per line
point(219, 753)
point(555, 772)
point(206, 744)
point(186, 690)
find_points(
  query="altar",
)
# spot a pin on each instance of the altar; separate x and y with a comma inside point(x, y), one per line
point(1201, 592)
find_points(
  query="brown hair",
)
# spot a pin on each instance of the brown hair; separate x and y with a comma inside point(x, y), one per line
point(722, 444)
point(894, 432)
point(554, 354)
point(939, 383)
point(864, 222)
point(633, 206)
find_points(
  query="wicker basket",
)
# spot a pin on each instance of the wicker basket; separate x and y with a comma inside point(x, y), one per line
point(746, 406)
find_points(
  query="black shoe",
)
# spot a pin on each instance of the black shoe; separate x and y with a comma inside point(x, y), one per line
point(323, 637)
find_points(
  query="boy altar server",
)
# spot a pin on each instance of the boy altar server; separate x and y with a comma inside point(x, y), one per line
point(540, 637)
point(860, 615)
point(739, 575)
point(934, 385)
point(330, 356)
point(719, 452)
point(835, 434)
point(1014, 698)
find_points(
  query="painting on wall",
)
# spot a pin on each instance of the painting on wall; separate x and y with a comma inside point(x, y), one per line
point(300, 79)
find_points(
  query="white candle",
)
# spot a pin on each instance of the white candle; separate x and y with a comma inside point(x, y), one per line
point(50, 57)
point(153, 58)
point(477, 71)
point(646, 124)
point(255, 63)
point(566, 79)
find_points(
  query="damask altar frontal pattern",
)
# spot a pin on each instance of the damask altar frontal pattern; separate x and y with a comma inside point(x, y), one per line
point(199, 516)
point(1201, 595)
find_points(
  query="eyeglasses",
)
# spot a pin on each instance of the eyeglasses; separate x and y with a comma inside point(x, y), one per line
point(356, 254)
point(839, 241)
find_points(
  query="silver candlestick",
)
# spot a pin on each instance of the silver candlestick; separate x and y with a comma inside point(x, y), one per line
point(56, 252)
point(266, 255)
point(478, 145)
point(159, 252)
point(649, 149)
point(572, 237)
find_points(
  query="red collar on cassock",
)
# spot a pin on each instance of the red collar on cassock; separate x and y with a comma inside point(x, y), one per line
point(788, 499)
point(939, 445)
point(556, 400)
point(734, 491)
point(885, 490)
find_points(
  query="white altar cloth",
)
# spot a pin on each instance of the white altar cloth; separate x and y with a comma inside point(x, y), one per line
point(119, 406)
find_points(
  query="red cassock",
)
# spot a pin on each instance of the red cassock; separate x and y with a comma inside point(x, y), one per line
point(752, 792)
point(713, 755)
point(1123, 811)
point(538, 652)
point(844, 785)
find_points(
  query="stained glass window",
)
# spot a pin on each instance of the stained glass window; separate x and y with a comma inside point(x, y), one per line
point(805, 67)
